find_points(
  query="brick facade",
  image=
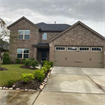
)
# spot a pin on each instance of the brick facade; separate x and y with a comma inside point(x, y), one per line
point(76, 36)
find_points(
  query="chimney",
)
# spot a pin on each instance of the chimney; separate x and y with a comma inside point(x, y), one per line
point(55, 22)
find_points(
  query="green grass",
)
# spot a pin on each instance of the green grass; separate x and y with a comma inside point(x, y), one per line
point(14, 72)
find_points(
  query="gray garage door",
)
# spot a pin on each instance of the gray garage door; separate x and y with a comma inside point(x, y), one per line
point(79, 56)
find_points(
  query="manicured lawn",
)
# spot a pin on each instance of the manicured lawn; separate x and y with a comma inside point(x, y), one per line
point(14, 72)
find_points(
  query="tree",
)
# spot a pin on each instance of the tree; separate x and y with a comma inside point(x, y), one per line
point(4, 37)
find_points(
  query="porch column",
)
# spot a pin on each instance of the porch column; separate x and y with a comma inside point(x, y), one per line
point(35, 53)
point(51, 52)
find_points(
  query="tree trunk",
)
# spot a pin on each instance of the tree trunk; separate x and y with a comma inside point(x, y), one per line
point(0, 58)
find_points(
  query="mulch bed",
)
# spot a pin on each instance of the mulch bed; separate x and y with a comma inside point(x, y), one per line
point(2, 69)
point(33, 84)
point(28, 68)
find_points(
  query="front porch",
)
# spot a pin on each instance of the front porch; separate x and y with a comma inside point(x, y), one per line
point(42, 51)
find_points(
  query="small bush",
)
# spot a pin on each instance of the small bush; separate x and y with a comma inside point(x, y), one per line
point(10, 82)
point(51, 64)
point(39, 74)
point(27, 63)
point(23, 61)
point(34, 63)
point(45, 69)
point(32, 59)
point(17, 61)
point(47, 66)
point(46, 62)
point(27, 77)
point(6, 58)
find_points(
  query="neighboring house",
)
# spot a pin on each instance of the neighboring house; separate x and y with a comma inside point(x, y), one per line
point(74, 45)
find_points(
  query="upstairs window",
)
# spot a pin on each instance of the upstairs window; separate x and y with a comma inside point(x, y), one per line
point(22, 53)
point(44, 36)
point(23, 34)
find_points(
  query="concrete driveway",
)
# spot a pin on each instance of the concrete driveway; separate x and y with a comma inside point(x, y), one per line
point(74, 86)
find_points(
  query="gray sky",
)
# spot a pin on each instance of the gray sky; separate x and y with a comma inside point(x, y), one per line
point(90, 12)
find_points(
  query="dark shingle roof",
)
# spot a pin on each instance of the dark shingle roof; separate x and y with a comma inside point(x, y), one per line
point(52, 27)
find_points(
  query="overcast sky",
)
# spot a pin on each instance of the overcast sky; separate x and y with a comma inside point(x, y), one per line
point(90, 12)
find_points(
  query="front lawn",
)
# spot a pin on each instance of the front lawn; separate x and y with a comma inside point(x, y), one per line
point(14, 72)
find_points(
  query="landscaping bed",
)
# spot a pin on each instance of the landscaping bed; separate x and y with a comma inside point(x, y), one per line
point(33, 84)
point(28, 67)
point(1, 69)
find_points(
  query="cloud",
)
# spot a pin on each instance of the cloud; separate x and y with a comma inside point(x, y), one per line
point(91, 12)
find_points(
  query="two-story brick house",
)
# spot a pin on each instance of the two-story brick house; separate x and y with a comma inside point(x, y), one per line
point(74, 45)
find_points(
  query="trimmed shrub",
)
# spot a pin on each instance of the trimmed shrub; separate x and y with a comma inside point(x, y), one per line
point(39, 74)
point(45, 69)
point(32, 59)
point(27, 77)
point(34, 63)
point(47, 66)
point(17, 60)
point(27, 63)
point(6, 58)
point(46, 62)
point(51, 64)
point(10, 82)
point(23, 61)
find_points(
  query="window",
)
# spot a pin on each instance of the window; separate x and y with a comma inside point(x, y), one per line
point(23, 34)
point(60, 48)
point(44, 37)
point(84, 49)
point(96, 49)
point(22, 53)
point(72, 48)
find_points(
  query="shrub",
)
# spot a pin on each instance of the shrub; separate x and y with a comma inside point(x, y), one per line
point(47, 66)
point(32, 59)
point(10, 82)
point(17, 61)
point(23, 61)
point(46, 62)
point(51, 64)
point(27, 62)
point(27, 77)
point(45, 69)
point(39, 74)
point(34, 63)
point(6, 58)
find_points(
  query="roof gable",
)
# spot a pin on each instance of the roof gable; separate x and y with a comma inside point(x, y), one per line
point(79, 22)
point(20, 20)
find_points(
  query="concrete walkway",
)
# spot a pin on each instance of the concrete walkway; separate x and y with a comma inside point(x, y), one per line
point(74, 86)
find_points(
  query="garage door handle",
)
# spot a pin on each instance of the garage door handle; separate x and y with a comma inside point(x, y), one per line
point(66, 58)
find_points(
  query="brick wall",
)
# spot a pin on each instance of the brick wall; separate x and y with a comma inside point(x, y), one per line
point(78, 36)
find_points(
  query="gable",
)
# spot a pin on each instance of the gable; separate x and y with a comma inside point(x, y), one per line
point(22, 18)
point(78, 35)
point(75, 25)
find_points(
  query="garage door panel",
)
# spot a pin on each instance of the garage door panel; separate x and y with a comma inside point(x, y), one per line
point(78, 58)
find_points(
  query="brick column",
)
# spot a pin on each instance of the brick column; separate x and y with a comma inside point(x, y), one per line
point(35, 53)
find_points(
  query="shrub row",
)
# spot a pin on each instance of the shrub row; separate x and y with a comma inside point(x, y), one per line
point(39, 74)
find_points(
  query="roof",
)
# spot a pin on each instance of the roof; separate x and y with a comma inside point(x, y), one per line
point(41, 45)
point(20, 20)
point(79, 22)
point(52, 27)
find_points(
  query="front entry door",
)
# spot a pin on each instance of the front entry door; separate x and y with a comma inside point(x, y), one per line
point(44, 55)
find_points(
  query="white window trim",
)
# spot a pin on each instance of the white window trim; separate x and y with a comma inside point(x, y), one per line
point(84, 50)
point(24, 35)
point(60, 50)
point(23, 53)
point(42, 36)
point(96, 47)
point(72, 50)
